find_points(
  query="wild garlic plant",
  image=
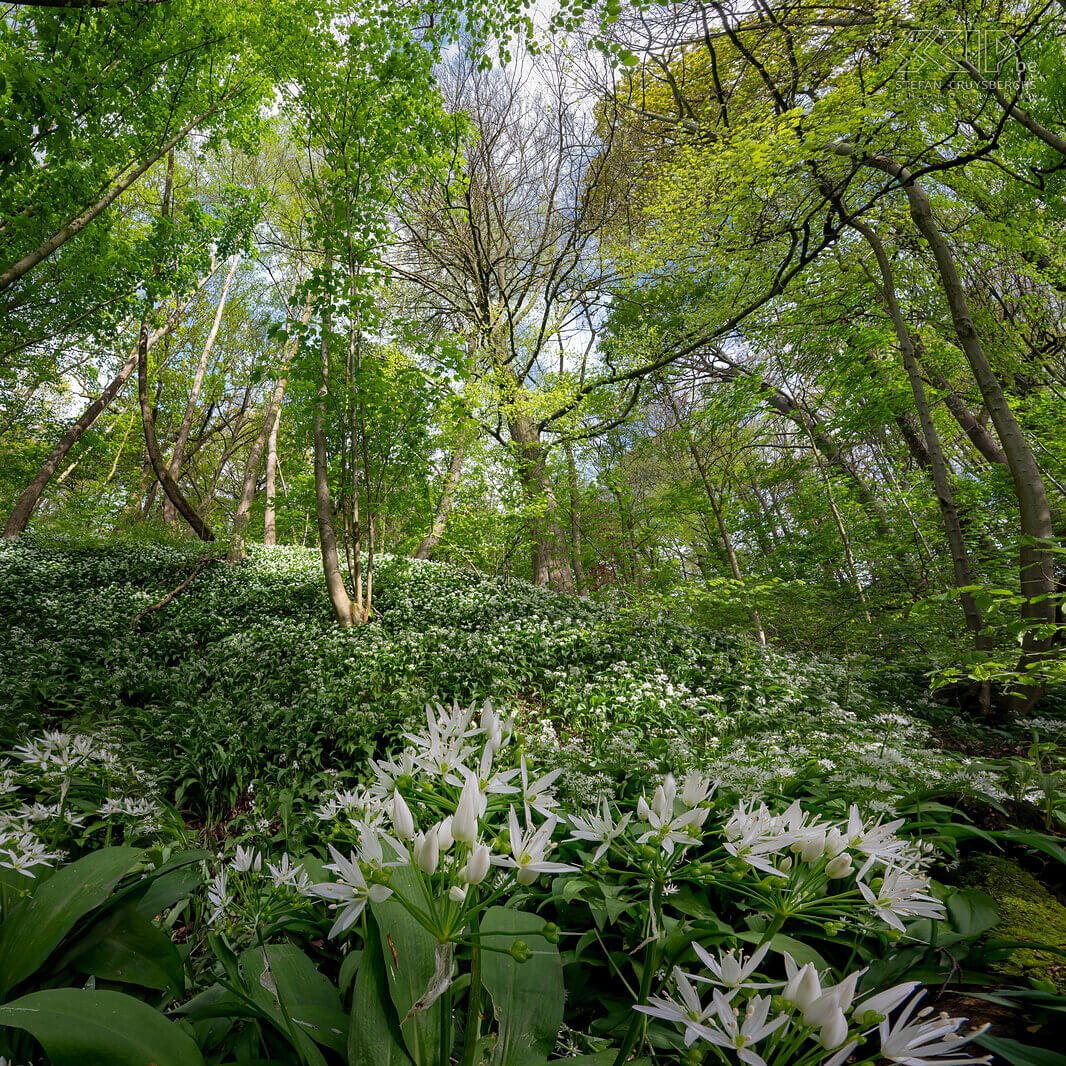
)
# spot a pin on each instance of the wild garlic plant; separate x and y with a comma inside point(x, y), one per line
point(61, 792)
point(731, 1014)
point(250, 898)
point(469, 825)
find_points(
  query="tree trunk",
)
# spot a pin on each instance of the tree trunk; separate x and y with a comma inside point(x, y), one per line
point(255, 453)
point(938, 465)
point(723, 529)
point(27, 502)
point(982, 440)
point(577, 562)
point(199, 527)
point(269, 529)
point(338, 594)
point(631, 572)
point(444, 505)
point(174, 467)
point(550, 563)
point(1036, 561)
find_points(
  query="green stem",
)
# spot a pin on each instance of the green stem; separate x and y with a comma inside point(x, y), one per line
point(445, 1027)
point(651, 964)
point(473, 1009)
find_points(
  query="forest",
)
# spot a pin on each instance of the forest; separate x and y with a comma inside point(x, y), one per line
point(534, 532)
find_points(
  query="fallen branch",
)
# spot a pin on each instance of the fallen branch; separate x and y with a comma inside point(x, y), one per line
point(174, 592)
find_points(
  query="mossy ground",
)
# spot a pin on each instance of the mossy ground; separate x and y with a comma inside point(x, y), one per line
point(1029, 913)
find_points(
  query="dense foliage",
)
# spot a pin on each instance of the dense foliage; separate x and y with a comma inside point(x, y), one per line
point(532, 532)
point(207, 766)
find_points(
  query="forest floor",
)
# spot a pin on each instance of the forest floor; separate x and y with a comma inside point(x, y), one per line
point(232, 709)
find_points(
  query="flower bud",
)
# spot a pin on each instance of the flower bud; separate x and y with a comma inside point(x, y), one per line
point(834, 1032)
point(477, 866)
point(804, 988)
point(839, 866)
point(834, 843)
point(457, 894)
point(426, 852)
point(403, 821)
point(464, 821)
point(444, 834)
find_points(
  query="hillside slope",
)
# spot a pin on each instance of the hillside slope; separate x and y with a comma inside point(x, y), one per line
point(243, 677)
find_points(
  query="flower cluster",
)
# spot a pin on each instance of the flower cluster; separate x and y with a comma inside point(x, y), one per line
point(477, 811)
point(749, 1019)
point(57, 789)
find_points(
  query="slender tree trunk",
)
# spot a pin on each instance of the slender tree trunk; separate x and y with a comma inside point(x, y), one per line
point(338, 594)
point(960, 558)
point(444, 504)
point(255, 453)
point(1036, 560)
point(631, 572)
point(575, 526)
point(199, 527)
point(982, 440)
point(723, 530)
point(27, 502)
point(178, 455)
point(269, 526)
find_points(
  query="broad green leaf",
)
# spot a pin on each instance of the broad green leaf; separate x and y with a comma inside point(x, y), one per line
point(34, 930)
point(127, 947)
point(285, 983)
point(374, 1033)
point(972, 911)
point(80, 1028)
point(409, 953)
point(173, 881)
point(527, 996)
point(1018, 1054)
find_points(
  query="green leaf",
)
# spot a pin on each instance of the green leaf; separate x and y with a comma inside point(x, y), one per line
point(1018, 1054)
point(527, 996)
point(374, 1034)
point(972, 912)
point(173, 881)
point(128, 947)
point(409, 954)
point(286, 984)
point(80, 1028)
point(349, 968)
point(34, 930)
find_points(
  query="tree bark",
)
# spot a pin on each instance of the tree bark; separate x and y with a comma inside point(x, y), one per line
point(960, 558)
point(255, 453)
point(338, 594)
point(982, 440)
point(199, 527)
point(550, 564)
point(1036, 561)
point(723, 529)
point(269, 527)
point(178, 455)
point(27, 502)
point(444, 505)
point(577, 563)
